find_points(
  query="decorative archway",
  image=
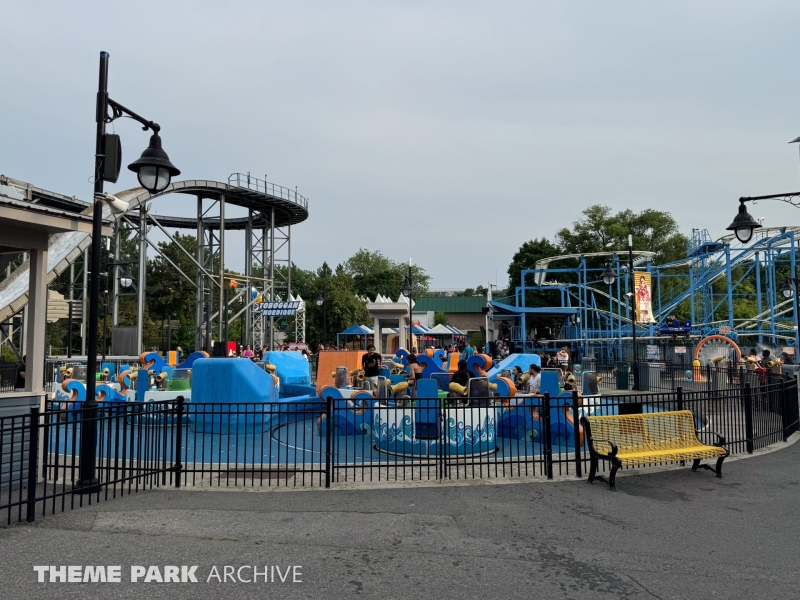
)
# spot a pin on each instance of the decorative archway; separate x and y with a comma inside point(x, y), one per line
point(719, 338)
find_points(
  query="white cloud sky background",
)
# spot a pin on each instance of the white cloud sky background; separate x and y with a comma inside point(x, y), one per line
point(451, 132)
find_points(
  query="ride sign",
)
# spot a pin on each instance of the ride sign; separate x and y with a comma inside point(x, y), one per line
point(277, 309)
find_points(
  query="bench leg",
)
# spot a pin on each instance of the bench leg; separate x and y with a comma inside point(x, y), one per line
point(592, 469)
point(719, 467)
point(718, 471)
point(612, 478)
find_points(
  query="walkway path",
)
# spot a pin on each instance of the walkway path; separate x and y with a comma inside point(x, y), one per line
point(672, 534)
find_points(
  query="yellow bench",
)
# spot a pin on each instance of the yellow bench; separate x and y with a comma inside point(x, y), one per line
point(643, 439)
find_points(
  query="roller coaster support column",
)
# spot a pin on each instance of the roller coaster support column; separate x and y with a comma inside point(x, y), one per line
point(796, 305)
point(730, 284)
point(223, 306)
point(633, 319)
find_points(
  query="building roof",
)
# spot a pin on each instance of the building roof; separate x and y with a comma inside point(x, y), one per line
point(451, 304)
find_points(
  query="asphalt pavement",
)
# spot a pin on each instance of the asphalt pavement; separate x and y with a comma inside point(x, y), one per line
point(672, 534)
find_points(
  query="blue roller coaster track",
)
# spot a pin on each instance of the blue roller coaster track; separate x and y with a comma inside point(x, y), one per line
point(704, 288)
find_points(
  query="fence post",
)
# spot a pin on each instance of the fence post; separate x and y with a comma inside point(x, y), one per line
point(328, 430)
point(784, 409)
point(748, 418)
point(178, 467)
point(33, 462)
point(548, 440)
point(708, 378)
point(679, 398)
point(576, 434)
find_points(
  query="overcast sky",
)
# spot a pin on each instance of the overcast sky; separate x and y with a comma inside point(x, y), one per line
point(450, 132)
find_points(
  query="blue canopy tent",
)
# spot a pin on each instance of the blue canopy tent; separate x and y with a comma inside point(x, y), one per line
point(358, 330)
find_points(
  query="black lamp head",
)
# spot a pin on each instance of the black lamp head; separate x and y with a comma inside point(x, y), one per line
point(406, 289)
point(153, 167)
point(609, 277)
point(744, 224)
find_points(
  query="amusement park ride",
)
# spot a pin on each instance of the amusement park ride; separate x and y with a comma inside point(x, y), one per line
point(271, 211)
point(702, 288)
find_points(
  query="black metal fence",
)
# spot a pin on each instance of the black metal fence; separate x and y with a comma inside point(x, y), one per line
point(176, 443)
point(39, 455)
point(668, 377)
point(8, 377)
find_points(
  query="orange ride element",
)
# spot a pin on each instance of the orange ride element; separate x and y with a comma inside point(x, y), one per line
point(123, 387)
point(511, 391)
point(720, 338)
point(698, 372)
point(451, 364)
point(568, 414)
point(328, 361)
point(487, 364)
point(146, 364)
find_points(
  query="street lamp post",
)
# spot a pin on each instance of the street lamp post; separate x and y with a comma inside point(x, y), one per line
point(790, 291)
point(154, 171)
point(320, 302)
point(408, 286)
point(633, 321)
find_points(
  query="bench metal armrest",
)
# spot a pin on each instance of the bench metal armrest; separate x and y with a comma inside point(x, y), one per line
point(614, 448)
point(592, 449)
point(720, 439)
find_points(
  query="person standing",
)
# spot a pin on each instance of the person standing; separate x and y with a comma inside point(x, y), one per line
point(371, 366)
point(468, 352)
point(247, 353)
point(19, 381)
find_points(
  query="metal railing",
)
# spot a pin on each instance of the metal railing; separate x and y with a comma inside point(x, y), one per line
point(326, 443)
point(8, 377)
point(667, 377)
point(245, 180)
point(137, 448)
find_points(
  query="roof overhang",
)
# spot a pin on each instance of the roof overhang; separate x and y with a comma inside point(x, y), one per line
point(19, 217)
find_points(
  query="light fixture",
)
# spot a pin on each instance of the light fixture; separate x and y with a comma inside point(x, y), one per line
point(153, 167)
point(406, 289)
point(609, 277)
point(117, 206)
point(125, 278)
point(320, 299)
point(788, 289)
point(743, 225)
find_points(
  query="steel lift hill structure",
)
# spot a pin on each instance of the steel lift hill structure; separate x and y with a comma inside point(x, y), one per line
point(272, 210)
point(597, 317)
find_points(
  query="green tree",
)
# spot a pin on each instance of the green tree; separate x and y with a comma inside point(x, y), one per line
point(598, 230)
point(477, 339)
point(169, 294)
point(373, 274)
point(525, 258)
point(340, 308)
point(440, 318)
